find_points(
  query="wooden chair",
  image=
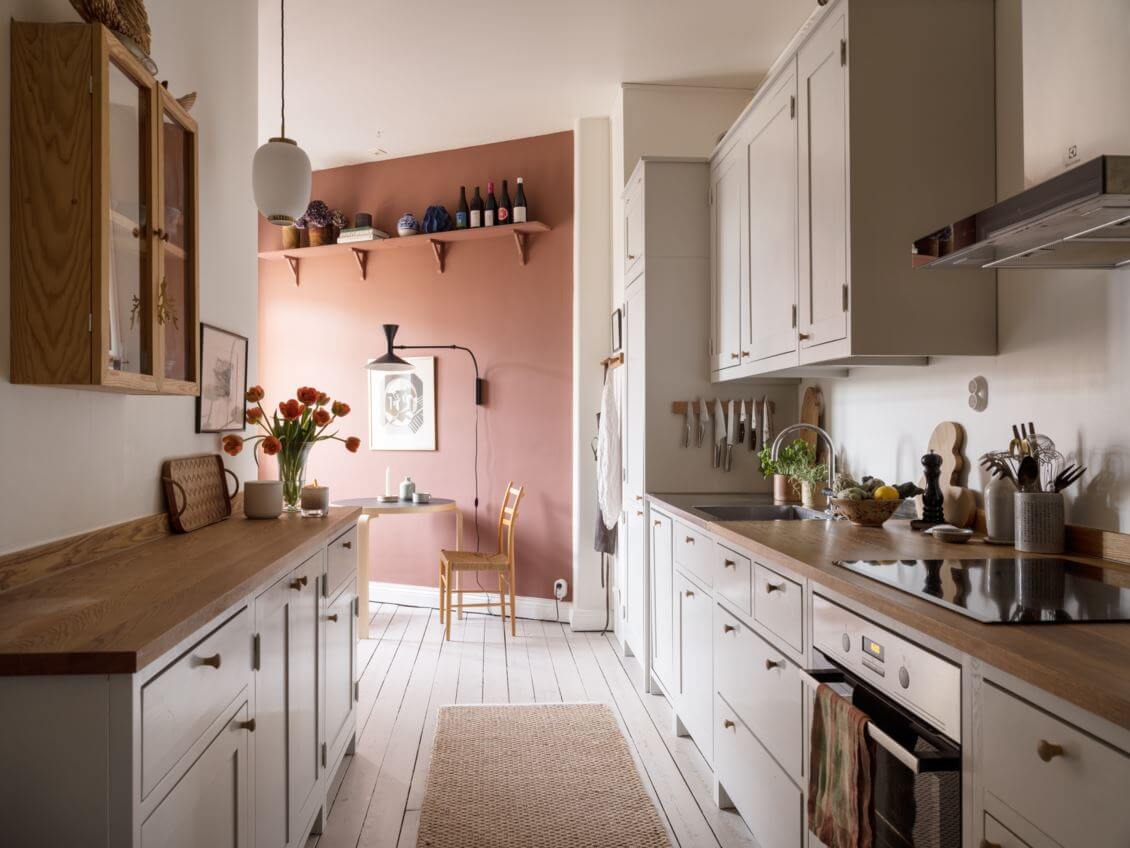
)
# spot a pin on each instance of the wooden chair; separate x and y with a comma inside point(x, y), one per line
point(454, 563)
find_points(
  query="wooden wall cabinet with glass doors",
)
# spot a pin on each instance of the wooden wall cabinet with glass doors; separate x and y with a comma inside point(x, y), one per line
point(104, 224)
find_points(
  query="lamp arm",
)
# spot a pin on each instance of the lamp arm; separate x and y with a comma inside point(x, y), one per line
point(480, 383)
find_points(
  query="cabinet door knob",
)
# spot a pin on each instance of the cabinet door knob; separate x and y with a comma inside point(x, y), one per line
point(729, 725)
point(745, 353)
point(728, 628)
point(735, 356)
point(161, 234)
point(729, 563)
point(248, 725)
point(803, 336)
point(770, 588)
point(658, 523)
point(299, 582)
point(639, 497)
point(332, 617)
point(1048, 751)
point(212, 661)
point(690, 540)
point(688, 593)
point(639, 512)
point(631, 257)
point(985, 843)
point(772, 664)
point(347, 545)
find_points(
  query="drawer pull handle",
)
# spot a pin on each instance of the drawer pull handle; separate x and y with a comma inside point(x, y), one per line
point(688, 593)
point(728, 628)
point(735, 356)
point(639, 497)
point(299, 582)
point(770, 588)
point(639, 512)
point(727, 724)
point(1048, 751)
point(772, 664)
point(248, 725)
point(729, 563)
point(332, 617)
point(690, 540)
point(347, 545)
point(212, 661)
point(658, 523)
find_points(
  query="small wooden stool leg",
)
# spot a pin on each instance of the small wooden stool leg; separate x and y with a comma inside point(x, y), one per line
point(513, 623)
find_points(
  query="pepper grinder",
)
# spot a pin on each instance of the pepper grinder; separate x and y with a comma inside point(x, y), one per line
point(932, 498)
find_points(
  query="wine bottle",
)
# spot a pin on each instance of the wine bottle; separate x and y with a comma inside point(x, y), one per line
point(505, 210)
point(476, 220)
point(492, 206)
point(519, 214)
point(463, 215)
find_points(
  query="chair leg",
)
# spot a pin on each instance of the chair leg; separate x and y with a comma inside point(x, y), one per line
point(502, 600)
point(447, 604)
point(459, 595)
point(513, 624)
point(441, 591)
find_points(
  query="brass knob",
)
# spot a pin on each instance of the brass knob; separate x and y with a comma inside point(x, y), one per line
point(770, 588)
point(137, 232)
point(1048, 751)
point(347, 545)
point(639, 512)
point(690, 540)
point(728, 628)
point(212, 661)
point(639, 497)
point(745, 353)
point(658, 523)
point(729, 725)
point(772, 664)
point(729, 563)
point(331, 617)
point(688, 593)
point(246, 725)
point(735, 356)
point(803, 336)
point(631, 258)
point(985, 843)
point(299, 582)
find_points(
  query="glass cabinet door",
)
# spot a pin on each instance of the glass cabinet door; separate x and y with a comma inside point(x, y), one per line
point(128, 157)
point(176, 237)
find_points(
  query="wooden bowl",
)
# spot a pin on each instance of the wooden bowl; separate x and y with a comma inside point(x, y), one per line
point(870, 513)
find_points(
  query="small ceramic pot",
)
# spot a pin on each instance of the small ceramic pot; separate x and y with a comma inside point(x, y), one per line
point(320, 235)
point(262, 498)
point(783, 489)
point(812, 496)
point(1039, 522)
point(407, 225)
point(1000, 510)
point(291, 238)
point(362, 219)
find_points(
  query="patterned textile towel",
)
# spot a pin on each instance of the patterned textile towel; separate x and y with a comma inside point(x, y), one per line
point(839, 774)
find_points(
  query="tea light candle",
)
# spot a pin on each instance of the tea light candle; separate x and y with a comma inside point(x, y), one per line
point(315, 500)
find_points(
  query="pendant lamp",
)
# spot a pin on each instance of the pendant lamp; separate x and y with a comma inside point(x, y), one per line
point(280, 172)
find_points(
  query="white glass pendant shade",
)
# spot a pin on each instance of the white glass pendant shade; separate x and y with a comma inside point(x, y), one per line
point(280, 180)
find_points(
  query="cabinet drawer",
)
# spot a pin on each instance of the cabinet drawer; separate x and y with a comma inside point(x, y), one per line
point(778, 603)
point(1067, 783)
point(694, 552)
point(342, 560)
point(733, 578)
point(768, 801)
point(999, 836)
point(186, 697)
point(762, 687)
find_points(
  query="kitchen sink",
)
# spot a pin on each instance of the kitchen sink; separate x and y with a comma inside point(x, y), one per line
point(759, 512)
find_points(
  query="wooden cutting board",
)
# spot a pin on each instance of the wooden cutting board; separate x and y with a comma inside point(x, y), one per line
point(960, 506)
point(812, 412)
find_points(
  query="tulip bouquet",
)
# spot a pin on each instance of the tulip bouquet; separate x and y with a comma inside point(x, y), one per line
point(290, 432)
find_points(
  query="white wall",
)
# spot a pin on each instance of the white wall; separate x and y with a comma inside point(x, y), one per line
point(1064, 346)
point(75, 460)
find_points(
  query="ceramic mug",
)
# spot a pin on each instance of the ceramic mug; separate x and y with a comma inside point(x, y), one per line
point(262, 498)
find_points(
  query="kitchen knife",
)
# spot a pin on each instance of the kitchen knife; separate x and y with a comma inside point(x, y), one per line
point(719, 432)
point(703, 421)
point(688, 424)
point(767, 422)
point(759, 418)
point(741, 423)
point(731, 427)
point(752, 424)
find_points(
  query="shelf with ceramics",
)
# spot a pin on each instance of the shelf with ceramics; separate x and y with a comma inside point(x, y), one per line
point(438, 242)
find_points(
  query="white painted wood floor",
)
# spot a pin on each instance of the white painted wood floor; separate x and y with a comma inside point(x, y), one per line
point(408, 671)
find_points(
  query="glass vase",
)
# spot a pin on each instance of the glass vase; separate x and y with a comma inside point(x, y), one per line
point(292, 473)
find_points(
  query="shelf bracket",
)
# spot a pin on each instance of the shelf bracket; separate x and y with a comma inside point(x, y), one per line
point(438, 247)
point(521, 242)
point(362, 258)
point(293, 260)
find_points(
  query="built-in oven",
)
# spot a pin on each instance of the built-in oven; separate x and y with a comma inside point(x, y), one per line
point(912, 698)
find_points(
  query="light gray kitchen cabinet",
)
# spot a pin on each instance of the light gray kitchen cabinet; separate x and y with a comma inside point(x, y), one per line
point(304, 742)
point(874, 162)
point(633, 226)
point(729, 266)
point(633, 546)
point(340, 663)
point(271, 804)
point(635, 378)
point(999, 836)
point(694, 634)
point(662, 599)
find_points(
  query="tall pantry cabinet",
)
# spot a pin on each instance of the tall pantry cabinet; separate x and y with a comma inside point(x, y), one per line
point(666, 331)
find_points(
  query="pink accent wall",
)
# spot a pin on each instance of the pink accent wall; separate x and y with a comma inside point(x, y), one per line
point(518, 321)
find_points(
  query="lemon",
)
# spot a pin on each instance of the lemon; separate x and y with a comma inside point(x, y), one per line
point(886, 493)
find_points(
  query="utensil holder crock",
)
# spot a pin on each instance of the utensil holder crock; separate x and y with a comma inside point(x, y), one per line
point(1000, 510)
point(1039, 522)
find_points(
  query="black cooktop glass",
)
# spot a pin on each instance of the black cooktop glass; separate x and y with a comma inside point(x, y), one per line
point(1009, 590)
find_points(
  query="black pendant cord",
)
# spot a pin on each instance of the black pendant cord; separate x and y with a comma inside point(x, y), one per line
point(282, 65)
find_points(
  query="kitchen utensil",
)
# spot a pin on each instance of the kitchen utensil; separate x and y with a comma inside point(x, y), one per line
point(704, 428)
point(998, 467)
point(688, 424)
point(742, 423)
point(870, 513)
point(766, 422)
point(1039, 522)
point(959, 504)
point(196, 493)
point(754, 425)
point(1067, 477)
point(1028, 474)
point(731, 430)
point(719, 432)
point(811, 411)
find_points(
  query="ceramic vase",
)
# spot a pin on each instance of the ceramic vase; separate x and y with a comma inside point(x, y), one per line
point(320, 235)
point(291, 238)
point(812, 495)
point(1000, 510)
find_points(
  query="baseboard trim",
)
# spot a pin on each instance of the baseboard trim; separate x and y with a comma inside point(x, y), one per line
point(408, 595)
point(589, 620)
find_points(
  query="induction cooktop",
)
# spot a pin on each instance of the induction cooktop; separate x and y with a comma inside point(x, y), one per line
point(1009, 590)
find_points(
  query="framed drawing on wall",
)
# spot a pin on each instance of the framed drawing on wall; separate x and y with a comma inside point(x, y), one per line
point(223, 381)
point(617, 331)
point(402, 407)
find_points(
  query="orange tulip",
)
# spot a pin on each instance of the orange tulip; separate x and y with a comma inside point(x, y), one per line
point(254, 413)
point(307, 395)
point(271, 446)
point(352, 444)
point(233, 444)
point(340, 409)
point(255, 394)
point(321, 417)
point(323, 399)
point(291, 409)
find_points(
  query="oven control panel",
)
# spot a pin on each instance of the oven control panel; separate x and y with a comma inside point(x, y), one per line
point(905, 672)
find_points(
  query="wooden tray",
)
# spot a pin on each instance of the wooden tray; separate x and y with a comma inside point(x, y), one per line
point(196, 493)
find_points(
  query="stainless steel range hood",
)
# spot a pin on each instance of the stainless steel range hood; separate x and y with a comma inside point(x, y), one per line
point(1080, 219)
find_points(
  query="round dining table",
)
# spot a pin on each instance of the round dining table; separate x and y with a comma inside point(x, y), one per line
point(372, 508)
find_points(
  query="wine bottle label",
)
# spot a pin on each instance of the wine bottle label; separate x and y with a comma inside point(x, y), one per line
point(519, 215)
point(503, 215)
point(488, 219)
point(476, 218)
point(461, 220)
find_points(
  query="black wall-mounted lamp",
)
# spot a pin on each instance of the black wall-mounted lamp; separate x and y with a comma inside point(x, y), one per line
point(389, 361)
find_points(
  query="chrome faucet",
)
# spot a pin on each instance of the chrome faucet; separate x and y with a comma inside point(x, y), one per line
point(821, 432)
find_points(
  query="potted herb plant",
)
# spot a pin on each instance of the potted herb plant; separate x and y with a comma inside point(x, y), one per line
point(791, 457)
point(810, 475)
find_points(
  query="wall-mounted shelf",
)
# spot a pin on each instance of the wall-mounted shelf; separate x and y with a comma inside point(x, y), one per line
point(437, 241)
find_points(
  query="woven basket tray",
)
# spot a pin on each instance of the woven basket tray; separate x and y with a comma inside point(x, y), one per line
point(196, 493)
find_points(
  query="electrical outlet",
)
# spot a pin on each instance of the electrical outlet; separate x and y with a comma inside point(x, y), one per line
point(560, 588)
point(1071, 155)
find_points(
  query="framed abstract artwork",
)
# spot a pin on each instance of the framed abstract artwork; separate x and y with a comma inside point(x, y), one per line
point(223, 381)
point(402, 407)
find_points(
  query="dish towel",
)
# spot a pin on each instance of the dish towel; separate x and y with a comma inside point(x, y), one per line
point(609, 485)
point(839, 774)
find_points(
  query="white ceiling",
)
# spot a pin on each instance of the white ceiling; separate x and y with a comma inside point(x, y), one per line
point(438, 74)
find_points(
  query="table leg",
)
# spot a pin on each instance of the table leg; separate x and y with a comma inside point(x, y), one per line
point(363, 576)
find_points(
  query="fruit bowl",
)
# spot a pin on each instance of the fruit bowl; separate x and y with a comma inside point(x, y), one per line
point(866, 513)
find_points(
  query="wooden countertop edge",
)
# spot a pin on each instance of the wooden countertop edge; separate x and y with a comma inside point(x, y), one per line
point(129, 662)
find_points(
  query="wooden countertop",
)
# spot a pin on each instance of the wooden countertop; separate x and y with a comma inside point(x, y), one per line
point(1085, 664)
point(116, 614)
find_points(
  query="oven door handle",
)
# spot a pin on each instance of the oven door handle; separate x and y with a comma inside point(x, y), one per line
point(917, 762)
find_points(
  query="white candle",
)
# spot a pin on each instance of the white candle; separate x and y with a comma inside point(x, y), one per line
point(388, 480)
